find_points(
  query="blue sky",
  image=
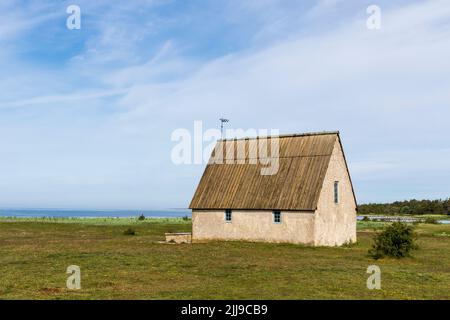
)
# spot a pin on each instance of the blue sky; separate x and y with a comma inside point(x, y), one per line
point(86, 115)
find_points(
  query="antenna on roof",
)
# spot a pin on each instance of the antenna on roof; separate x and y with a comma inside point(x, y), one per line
point(222, 121)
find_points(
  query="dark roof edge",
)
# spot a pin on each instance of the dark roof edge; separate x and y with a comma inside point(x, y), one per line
point(320, 133)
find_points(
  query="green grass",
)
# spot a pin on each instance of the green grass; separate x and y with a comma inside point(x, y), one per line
point(420, 216)
point(370, 225)
point(34, 255)
point(99, 221)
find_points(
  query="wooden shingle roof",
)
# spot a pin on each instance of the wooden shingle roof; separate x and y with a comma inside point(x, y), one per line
point(303, 162)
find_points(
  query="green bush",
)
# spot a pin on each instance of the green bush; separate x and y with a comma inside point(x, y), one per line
point(366, 218)
point(129, 232)
point(186, 218)
point(141, 217)
point(430, 220)
point(396, 240)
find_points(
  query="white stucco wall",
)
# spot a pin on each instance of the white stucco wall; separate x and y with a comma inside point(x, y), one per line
point(295, 227)
point(335, 224)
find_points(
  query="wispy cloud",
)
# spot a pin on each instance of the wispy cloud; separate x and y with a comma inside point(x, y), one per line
point(15, 20)
point(101, 121)
point(62, 99)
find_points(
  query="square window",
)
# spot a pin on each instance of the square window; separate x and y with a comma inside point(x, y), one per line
point(277, 217)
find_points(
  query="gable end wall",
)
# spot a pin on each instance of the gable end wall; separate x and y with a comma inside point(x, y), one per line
point(335, 224)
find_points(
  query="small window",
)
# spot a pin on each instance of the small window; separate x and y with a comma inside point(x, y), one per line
point(336, 192)
point(227, 215)
point(277, 217)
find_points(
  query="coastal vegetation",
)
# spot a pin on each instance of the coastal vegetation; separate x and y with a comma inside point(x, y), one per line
point(35, 253)
point(408, 207)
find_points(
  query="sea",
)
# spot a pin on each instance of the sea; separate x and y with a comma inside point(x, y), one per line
point(73, 213)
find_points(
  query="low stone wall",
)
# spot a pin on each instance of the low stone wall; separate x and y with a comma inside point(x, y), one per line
point(180, 237)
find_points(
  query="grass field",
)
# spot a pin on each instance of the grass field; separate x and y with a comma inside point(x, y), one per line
point(34, 255)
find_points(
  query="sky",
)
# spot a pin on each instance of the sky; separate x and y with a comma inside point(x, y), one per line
point(87, 115)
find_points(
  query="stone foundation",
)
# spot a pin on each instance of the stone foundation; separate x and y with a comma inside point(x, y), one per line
point(180, 237)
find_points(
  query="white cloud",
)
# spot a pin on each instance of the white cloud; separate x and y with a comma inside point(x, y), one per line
point(386, 90)
point(63, 99)
point(379, 89)
point(322, 7)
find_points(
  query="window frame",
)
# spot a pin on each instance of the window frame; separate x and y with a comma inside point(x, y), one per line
point(274, 215)
point(336, 192)
point(226, 213)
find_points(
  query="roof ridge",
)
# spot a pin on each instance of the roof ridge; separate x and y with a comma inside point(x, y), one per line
point(318, 133)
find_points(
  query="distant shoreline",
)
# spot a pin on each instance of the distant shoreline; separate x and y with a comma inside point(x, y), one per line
point(67, 213)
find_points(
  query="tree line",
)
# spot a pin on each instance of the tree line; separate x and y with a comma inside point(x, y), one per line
point(407, 207)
